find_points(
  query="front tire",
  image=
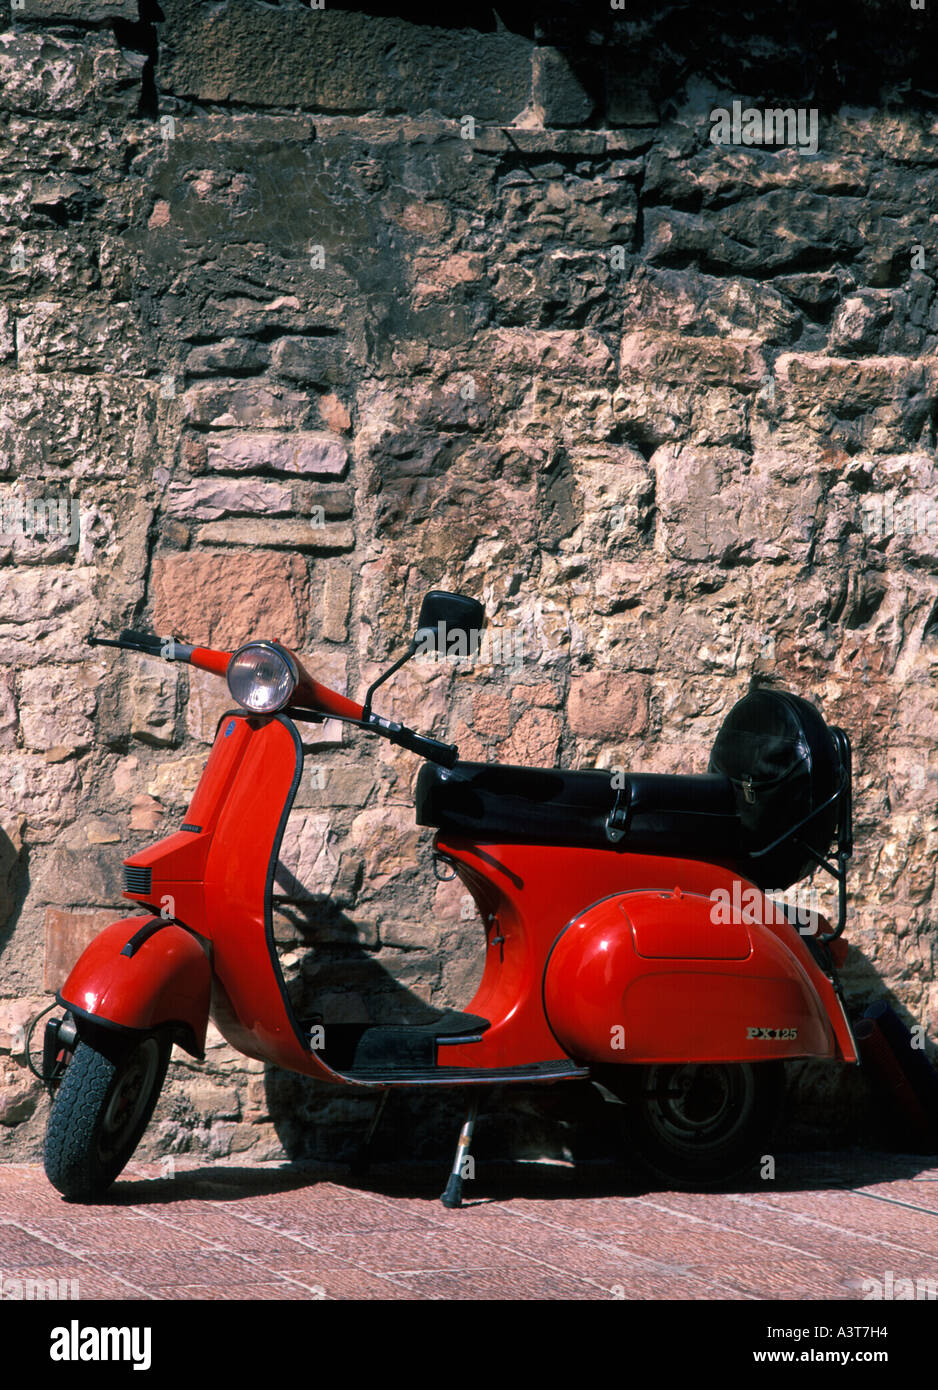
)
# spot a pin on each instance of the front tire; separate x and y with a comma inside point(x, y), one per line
point(698, 1125)
point(100, 1111)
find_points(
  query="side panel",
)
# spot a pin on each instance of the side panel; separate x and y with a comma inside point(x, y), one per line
point(251, 1008)
point(529, 896)
point(168, 979)
point(606, 1003)
point(525, 894)
point(216, 876)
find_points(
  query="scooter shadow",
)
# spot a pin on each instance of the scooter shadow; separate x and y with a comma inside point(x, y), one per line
point(498, 1180)
point(220, 1183)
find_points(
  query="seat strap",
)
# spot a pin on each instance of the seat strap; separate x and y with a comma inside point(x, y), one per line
point(617, 821)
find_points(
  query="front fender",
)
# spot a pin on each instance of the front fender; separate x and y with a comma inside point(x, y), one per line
point(142, 974)
point(650, 977)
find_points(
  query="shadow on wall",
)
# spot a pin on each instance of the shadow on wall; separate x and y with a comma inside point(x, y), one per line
point(630, 62)
point(332, 979)
point(13, 884)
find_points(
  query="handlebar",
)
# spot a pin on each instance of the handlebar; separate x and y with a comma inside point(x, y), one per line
point(446, 754)
point(326, 703)
point(205, 658)
point(133, 641)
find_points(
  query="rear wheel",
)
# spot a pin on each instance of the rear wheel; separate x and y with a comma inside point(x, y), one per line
point(100, 1111)
point(697, 1125)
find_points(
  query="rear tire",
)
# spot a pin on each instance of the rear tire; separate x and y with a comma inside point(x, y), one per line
point(698, 1125)
point(100, 1111)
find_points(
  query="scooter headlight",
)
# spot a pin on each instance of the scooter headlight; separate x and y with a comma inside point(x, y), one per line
point(262, 677)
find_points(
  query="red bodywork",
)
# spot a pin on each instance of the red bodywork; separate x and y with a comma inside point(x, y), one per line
point(580, 944)
point(167, 980)
point(592, 955)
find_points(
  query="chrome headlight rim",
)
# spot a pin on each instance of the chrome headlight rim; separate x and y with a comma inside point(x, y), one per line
point(289, 662)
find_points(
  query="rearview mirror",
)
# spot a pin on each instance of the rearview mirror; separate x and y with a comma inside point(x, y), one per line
point(450, 624)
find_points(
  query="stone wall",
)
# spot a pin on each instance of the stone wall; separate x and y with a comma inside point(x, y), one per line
point(304, 311)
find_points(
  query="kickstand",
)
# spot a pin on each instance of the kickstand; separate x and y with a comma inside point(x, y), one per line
point(452, 1197)
point(362, 1159)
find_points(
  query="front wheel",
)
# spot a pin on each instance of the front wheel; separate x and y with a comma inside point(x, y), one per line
point(698, 1125)
point(100, 1111)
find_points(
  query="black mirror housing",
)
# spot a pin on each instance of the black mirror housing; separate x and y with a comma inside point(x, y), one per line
point(450, 624)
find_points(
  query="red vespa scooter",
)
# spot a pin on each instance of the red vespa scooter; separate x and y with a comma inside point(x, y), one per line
point(628, 936)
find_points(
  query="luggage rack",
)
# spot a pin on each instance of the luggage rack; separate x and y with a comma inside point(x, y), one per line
point(844, 796)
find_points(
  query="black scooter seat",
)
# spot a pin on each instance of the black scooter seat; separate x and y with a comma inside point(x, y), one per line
point(691, 815)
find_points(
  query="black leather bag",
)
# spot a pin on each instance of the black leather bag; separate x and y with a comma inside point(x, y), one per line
point(784, 764)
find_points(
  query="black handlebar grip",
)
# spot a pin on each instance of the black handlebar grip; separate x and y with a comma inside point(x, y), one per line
point(147, 642)
point(446, 754)
point(142, 642)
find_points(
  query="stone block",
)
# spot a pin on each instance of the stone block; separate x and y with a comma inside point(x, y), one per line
point(20, 1093)
point(153, 695)
point(11, 847)
point(57, 705)
point(308, 863)
point(700, 494)
point(239, 404)
point(703, 362)
point(608, 704)
point(77, 874)
point(311, 361)
point(45, 793)
point(301, 451)
point(104, 338)
point(77, 11)
point(174, 782)
point(224, 600)
point(295, 535)
point(68, 932)
point(534, 740)
point(209, 499)
point(209, 698)
point(93, 426)
point(227, 355)
point(334, 603)
point(330, 60)
point(43, 74)
point(549, 352)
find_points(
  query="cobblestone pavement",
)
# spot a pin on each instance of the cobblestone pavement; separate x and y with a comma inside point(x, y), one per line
point(528, 1231)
